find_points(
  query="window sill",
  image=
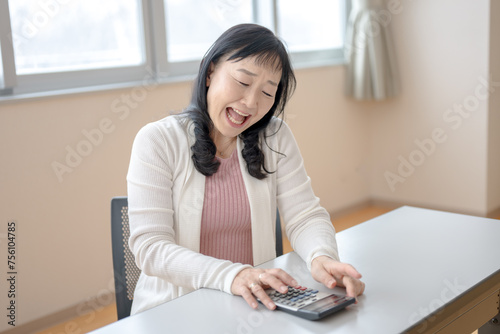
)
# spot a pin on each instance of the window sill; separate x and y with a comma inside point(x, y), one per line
point(15, 98)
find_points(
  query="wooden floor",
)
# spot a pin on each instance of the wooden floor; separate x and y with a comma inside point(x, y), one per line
point(107, 314)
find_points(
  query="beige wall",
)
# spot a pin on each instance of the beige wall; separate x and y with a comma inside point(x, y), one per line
point(442, 48)
point(494, 112)
point(332, 133)
point(64, 227)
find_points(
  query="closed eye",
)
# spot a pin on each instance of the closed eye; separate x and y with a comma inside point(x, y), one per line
point(247, 85)
point(243, 84)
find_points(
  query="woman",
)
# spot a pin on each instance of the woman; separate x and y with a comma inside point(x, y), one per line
point(203, 186)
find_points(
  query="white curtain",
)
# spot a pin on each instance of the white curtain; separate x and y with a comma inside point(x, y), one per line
point(371, 72)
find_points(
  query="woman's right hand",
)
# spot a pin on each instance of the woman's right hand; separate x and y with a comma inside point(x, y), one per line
point(250, 284)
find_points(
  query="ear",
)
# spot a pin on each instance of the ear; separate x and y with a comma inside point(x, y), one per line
point(209, 73)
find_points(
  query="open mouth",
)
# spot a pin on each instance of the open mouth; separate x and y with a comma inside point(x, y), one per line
point(237, 117)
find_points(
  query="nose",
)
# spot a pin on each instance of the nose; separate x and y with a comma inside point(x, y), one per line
point(250, 99)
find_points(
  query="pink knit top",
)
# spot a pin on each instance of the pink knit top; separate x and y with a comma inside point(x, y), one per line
point(226, 230)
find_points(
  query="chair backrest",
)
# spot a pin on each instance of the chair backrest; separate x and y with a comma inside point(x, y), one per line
point(125, 270)
point(279, 239)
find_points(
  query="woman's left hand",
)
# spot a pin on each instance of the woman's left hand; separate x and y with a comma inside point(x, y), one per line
point(332, 273)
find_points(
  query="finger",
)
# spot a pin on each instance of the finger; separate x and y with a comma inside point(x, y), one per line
point(349, 270)
point(339, 270)
point(282, 275)
point(274, 282)
point(324, 277)
point(249, 298)
point(349, 286)
point(360, 288)
point(260, 293)
point(354, 287)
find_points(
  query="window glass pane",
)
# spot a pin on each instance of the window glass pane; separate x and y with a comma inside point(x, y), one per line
point(193, 25)
point(311, 25)
point(52, 36)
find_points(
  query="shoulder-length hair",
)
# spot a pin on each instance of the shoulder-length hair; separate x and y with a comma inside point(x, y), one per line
point(237, 43)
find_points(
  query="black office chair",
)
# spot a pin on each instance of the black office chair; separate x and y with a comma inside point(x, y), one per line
point(124, 267)
point(279, 239)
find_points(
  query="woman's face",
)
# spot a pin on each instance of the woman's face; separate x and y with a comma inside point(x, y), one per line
point(239, 94)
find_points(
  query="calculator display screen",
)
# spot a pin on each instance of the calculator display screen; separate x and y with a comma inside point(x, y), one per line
point(324, 304)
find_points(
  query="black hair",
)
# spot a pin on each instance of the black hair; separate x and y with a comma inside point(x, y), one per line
point(237, 43)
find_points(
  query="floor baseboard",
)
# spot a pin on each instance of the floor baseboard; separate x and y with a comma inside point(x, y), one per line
point(494, 213)
point(395, 204)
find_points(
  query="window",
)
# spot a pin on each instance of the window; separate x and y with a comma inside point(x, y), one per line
point(72, 44)
point(51, 45)
point(51, 37)
point(189, 36)
point(313, 33)
point(305, 28)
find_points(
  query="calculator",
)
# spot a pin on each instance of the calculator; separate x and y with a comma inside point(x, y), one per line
point(309, 303)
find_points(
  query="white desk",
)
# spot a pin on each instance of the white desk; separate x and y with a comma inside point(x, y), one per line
point(425, 271)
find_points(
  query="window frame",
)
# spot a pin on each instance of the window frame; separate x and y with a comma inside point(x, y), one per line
point(156, 68)
point(9, 78)
point(70, 80)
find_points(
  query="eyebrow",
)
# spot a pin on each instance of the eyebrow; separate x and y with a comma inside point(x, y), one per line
point(254, 75)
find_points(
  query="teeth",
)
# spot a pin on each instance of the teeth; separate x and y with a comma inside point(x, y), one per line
point(233, 120)
point(241, 113)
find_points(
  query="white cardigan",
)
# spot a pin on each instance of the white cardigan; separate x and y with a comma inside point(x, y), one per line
point(165, 198)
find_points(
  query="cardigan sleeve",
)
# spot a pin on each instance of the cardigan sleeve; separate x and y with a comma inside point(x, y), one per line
point(307, 223)
point(154, 165)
